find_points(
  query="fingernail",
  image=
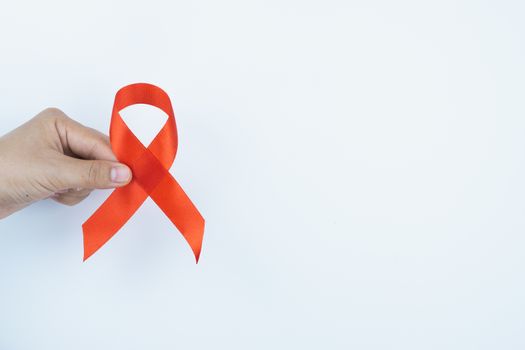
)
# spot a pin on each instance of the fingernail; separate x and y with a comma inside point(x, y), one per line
point(120, 174)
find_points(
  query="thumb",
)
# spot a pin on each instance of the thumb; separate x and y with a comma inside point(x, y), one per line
point(92, 174)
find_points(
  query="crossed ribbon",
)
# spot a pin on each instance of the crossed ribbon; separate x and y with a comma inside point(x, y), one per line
point(150, 176)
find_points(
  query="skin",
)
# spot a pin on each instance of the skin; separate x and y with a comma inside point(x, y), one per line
point(53, 156)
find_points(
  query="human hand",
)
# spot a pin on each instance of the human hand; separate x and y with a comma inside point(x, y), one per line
point(53, 156)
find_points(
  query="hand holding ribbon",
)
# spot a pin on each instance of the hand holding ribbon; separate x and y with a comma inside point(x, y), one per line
point(150, 166)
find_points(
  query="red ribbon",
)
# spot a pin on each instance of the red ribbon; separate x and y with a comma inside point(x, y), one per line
point(150, 175)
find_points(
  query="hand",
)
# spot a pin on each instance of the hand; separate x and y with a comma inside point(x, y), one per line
point(53, 156)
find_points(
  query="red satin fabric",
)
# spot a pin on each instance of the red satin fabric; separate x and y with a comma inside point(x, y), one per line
point(150, 176)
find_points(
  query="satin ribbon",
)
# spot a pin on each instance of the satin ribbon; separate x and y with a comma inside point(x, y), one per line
point(150, 176)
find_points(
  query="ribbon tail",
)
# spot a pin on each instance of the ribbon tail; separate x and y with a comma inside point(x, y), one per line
point(116, 210)
point(171, 198)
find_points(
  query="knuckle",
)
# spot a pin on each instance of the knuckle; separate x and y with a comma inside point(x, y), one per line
point(69, 201)
point(96, 174)
point(92, 173)
point(65, 200)
point(53, 112)
point(81, 194)
point(50, 115)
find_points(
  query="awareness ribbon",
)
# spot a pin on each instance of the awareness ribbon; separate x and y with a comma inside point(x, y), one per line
point(150, 175)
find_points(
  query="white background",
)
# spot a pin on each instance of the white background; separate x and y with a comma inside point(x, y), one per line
point(360, 165)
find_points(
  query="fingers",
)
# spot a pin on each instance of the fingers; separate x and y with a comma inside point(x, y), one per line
point(92, 174)
point(83, 142)
point(87, 162)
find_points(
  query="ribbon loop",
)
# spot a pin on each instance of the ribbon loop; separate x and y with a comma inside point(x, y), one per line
point(151, 177)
